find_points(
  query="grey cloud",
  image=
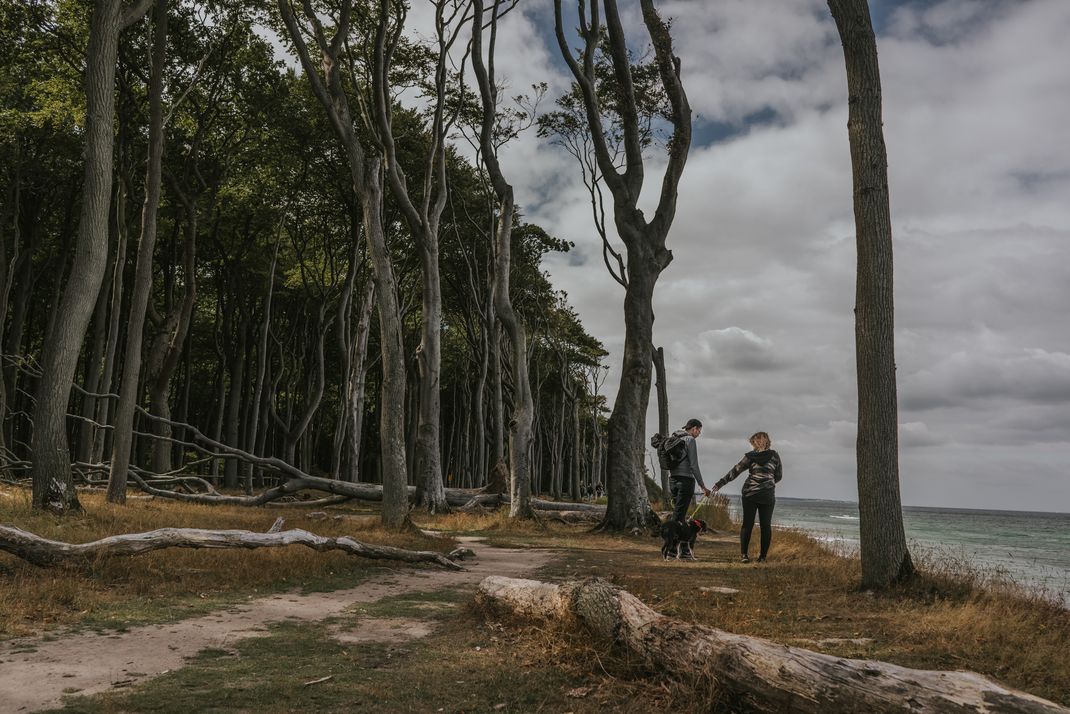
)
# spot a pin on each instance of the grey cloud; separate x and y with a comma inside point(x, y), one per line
point(976, 97)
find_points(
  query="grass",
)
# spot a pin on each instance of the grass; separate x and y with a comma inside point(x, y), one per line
point(465, 665)
point(171, 584)
point(950, 617)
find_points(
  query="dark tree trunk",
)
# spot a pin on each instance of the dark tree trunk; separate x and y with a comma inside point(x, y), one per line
point(104, 438)
point(645, 240)
point(357, 379)
point(261, 364)
point(884, 554)
point(234, 400)
point(663, 415)
point(627, 506)
point(52, 479)
point(122, 431)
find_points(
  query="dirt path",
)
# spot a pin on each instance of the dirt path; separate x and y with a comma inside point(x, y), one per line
point(35, 673)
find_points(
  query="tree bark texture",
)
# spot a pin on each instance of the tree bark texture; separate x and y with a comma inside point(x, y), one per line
point(883, 547)
point(520, 431)
point(43, 552)
point(122, 433)
point(663, 415)
point(760, 675)
point(52, 484)
point(645, 240)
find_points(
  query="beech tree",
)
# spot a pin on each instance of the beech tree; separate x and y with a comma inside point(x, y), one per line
point(644, 239)
point(883, 548)
point(52, 484)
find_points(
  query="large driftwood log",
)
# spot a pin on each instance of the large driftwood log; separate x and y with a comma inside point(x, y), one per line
point(44, 552)
point(765, 676)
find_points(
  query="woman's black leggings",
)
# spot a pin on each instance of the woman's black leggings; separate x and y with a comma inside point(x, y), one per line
point(764, 508)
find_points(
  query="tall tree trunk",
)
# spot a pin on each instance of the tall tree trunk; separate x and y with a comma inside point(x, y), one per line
point(105, 407)
point(520, 437)
point(122, 431)
point(314, 392)
point(358, 372)
point(430, 490)
point(8, 267)
point(497, 405)
point(234, 400)
point(479, 458)
point(645, 240)
point(366, 173)
point(53, 487)
point(577, 440)
point(391, 340)
point(627, 506)
point(261, 362)
point(166, 348)
point(663, 416)
point(94, 368)
point(884, 554)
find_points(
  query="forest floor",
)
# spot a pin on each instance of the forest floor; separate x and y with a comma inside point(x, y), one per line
point(152, 637)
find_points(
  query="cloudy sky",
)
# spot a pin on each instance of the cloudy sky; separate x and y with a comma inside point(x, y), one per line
point(977, 121)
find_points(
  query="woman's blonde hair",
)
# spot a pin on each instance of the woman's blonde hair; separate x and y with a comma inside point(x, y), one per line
point(760, 441)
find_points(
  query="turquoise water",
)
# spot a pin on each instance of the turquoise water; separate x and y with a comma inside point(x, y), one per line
point(1029, 548)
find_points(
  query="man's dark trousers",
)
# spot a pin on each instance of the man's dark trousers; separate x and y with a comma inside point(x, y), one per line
point(683, 489)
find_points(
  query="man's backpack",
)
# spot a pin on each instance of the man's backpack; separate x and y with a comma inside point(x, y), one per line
point(672, 450)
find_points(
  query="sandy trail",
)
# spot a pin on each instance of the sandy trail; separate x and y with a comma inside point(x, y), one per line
point(34, 673)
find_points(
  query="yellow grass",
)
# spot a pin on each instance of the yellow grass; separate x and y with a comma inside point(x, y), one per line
point(171, 583)
point(950, 617)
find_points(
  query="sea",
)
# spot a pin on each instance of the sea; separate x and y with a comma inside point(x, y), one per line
point(1029, 548)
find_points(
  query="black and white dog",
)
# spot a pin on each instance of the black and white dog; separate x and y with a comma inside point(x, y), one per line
point(680, 538)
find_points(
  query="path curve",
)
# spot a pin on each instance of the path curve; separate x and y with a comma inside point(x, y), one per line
point(91, 662)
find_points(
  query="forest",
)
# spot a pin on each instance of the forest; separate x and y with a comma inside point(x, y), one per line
point(206, 267)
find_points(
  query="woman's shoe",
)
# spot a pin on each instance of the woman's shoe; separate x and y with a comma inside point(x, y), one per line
point(744, 559)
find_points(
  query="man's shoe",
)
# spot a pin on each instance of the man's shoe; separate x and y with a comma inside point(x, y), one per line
point(744, 559)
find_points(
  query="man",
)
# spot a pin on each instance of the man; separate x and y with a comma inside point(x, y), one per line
point(683, 477)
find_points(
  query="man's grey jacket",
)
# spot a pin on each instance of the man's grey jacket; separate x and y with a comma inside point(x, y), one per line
point(688, 468)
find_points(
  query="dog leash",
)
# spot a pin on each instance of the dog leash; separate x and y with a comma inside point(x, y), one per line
point(698, 505)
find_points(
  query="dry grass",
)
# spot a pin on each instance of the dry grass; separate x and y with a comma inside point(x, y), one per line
point(174, 583)
point(950, 617)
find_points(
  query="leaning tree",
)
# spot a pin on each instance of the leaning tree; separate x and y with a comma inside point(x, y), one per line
point(884, 554)
point(616, 92)
point(52, 480)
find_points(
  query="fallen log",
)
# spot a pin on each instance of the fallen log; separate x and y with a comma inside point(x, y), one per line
point(44, 552)
point(762, 675)
point(571, 517)
point(540, 505)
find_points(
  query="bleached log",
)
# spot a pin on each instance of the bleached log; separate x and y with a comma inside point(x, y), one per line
point(572, 517)
point(764, 675)
point(44, 552)
point(542, 505)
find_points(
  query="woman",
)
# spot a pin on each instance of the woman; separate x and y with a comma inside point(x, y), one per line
point(759, 491)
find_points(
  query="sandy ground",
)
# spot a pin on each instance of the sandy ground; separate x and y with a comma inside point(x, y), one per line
point(34, 673)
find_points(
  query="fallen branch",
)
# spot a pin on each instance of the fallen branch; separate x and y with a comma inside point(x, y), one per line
point(765, 675)
point(44, 552)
